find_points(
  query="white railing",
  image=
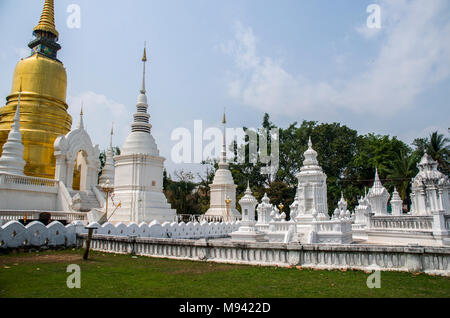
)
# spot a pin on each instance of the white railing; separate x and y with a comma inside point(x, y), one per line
point(99, 196)
point(341, 226)
point(66, 198)
point(410, 223)
point(11, 215)
point(27, 181)
point(202, 218)
point(280, 226)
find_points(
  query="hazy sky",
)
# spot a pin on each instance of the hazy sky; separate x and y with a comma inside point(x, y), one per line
point(296, 60)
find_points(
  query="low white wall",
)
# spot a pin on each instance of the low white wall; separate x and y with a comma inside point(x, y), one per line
point(432, 260)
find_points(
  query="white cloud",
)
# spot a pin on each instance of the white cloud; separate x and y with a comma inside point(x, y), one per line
point(99, 112)
point(413, 55)
point(412, 134)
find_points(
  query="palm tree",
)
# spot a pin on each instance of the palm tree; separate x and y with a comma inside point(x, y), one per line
point(439, 149)
point(402, 171)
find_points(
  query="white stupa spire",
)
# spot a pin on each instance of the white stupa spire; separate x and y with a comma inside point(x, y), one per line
point(81, 122)
point(223, 158)
point(108, 169)
point(141, 117)
point(223, 186)
point(11, 160)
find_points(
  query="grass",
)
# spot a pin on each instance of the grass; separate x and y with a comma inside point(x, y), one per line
point(43, 274)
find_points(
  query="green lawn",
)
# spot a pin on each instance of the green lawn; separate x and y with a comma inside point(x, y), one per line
point(44, 274)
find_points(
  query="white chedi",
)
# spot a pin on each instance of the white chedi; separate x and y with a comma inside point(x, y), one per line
point(223, 189)
point(430, 189)
point(138, 180)
point(396, 203)
point(363, 211)
point(311, 190)
point(341, 212)
point(264, 210)
point(378, 197)
point(247, 231)
point(11, 161)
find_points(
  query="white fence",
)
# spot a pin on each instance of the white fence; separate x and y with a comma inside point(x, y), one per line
point(410, 223)
point(11, 215)
point(174, 230)
point(13, 234)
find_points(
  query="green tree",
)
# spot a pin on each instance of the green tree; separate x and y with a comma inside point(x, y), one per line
point(403, 169)
point(439, 149)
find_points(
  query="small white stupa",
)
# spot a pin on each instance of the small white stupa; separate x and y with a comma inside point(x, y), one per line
point(108, 168)
point(138, 183)
point(396, 203)
point(311, 191)
point(247, 231)
point(378, 197)
point(223, 189)
point(430, 189)
point(11, 161)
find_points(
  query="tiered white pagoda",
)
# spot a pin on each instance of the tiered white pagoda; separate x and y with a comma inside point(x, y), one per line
point(311, 191)
point(378, 197)
point(223, 189)
point(138, 183)
point(430, 189)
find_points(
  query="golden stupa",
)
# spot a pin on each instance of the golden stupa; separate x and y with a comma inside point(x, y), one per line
point(43, 105)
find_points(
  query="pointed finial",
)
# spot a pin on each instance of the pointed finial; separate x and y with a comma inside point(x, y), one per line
point(144, 58)
point(224, 119)
point(17, 114)
point(47, 21)
point(309, 142)
point(81, 122)
point(248, 190)
point(377, 177)
point(112, 133)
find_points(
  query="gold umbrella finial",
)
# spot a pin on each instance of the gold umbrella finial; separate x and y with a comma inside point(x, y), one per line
point(47, 21)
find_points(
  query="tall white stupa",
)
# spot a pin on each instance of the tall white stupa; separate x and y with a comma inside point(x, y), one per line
point(223, 189)
point(138, 183)
point(311, 190)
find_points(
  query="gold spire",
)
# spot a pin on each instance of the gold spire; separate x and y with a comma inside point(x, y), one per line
point(144, 58)
point(224, 119)
point(47, 21)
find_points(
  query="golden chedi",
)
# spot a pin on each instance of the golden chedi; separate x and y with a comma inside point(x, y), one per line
point(43, 105)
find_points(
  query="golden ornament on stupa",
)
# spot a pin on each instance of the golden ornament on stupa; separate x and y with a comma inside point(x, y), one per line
point(44, 114)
